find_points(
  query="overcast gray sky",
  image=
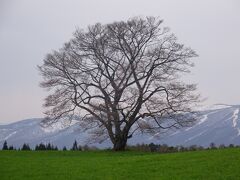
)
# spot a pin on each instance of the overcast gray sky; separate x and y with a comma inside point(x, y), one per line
point(29, 29)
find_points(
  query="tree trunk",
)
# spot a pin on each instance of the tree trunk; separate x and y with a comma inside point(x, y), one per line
point(120, 143)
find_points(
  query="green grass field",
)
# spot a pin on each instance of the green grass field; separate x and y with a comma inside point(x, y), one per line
point(208, 164)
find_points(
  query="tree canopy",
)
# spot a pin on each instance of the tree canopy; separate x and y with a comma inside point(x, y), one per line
point(121, 78)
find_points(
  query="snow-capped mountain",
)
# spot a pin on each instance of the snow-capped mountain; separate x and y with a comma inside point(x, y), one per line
point(219, 124)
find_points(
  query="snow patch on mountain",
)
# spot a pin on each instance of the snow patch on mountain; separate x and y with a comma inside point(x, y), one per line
point(58, 126)
point(235, 117)
point(214, 107)
point(195, 136)
point(203, 119)
point(10, 135)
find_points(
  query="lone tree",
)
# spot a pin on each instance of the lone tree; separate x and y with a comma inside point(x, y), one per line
point(5, 146)
point(75, 146)
point(121, 78)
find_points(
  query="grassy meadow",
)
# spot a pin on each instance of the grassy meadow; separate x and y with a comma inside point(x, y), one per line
point(207, 164)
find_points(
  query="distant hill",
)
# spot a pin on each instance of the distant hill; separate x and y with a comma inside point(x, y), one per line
point(219, 124)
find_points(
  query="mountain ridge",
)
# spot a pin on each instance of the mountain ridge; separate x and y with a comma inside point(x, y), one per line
point(219, 124)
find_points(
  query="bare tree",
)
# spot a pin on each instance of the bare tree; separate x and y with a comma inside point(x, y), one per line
point(121, 78)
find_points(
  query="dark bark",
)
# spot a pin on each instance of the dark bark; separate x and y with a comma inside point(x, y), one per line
point(120, 143)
